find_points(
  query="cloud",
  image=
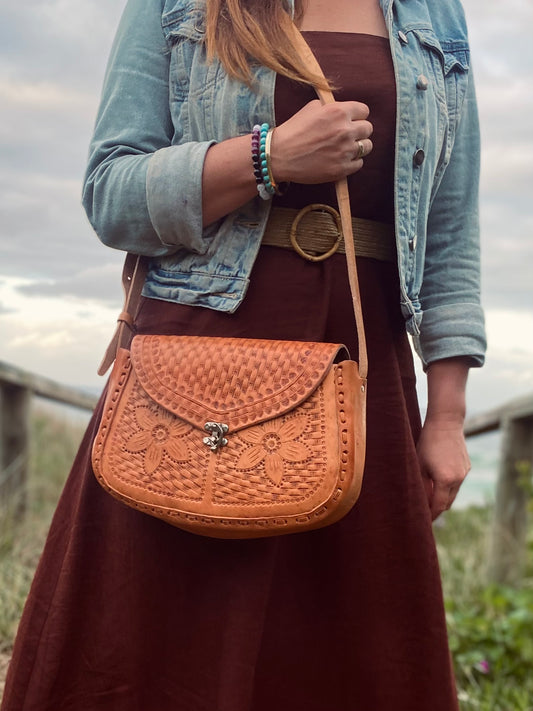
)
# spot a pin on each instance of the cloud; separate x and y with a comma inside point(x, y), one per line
point(46, 95)
point(45, 128)
point(69, 351)
point(97, 284)
point(5, 310)
point(503, 64)
point(44, 232)
point(67, 39)
point(506, 256)
point(52, 61)
point(63, 338)
point(505, 27)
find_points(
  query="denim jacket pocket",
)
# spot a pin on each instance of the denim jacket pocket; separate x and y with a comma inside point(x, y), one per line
point(450, 66)
point(183, 19)
point(184, 29)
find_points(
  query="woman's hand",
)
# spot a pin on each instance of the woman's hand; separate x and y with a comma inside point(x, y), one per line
point(319, 144)
point(441, 448)
point(444, 462)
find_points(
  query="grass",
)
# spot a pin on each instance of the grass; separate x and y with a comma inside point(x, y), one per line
point(53, 444)
point(490, 627)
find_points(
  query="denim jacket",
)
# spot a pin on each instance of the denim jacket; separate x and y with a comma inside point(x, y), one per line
point(164, 105)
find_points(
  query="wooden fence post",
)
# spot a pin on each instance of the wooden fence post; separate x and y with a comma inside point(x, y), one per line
point(17, 386)
point(509, 529)
point(14, 442)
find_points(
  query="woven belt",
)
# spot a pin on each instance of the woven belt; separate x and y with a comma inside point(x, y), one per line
point(315, 233)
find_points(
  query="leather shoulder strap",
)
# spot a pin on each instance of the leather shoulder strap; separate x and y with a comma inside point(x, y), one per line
point(135, 267)
point(343, 199)
point(133, 276)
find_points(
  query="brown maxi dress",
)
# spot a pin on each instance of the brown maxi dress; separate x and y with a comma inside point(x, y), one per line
point(127, 613)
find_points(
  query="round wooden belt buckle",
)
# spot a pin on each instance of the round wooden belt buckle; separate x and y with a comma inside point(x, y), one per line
point(316, 207)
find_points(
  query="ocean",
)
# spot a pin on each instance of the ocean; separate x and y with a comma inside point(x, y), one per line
point(479, 487)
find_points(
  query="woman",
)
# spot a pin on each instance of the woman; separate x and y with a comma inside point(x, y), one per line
point(127, 612)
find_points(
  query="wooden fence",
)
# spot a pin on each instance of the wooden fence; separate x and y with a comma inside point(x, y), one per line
point(514, 419)
point(508, 545)
point(16, 389)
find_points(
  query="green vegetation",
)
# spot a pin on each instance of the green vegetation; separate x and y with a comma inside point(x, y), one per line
point(53, 445)
point(491, 627)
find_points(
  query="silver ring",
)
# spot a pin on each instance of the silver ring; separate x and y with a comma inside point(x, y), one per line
point(360, 150)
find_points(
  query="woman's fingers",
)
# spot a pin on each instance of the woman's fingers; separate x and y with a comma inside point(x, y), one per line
point(362, 148)
point(322, 143)
point(355, 110)
point(442, 498)
point(444, 463)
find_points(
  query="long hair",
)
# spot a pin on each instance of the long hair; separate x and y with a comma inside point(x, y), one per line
point(242, 31)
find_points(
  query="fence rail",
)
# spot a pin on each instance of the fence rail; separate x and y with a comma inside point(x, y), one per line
point(44, 387)
point(17, 386)
point(514, 419)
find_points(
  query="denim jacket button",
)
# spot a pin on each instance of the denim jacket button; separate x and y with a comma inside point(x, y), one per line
point(412, 243)
point(422, 82)
point(418, 157)
point(403, 37)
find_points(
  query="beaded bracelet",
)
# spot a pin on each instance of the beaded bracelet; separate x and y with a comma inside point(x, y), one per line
point(256, 160)
point(264, 158)
point(268, 143)
point(261, 142)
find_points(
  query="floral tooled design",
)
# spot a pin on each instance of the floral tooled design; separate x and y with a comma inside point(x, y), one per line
point(160, 432)
point(274, 443)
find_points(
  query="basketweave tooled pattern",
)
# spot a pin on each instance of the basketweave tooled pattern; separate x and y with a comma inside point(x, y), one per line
point(151, 444)
point(235, 381)
point(267, 501)
point(276, 462)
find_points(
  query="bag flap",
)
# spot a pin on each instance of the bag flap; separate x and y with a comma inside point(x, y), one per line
point(235, 381)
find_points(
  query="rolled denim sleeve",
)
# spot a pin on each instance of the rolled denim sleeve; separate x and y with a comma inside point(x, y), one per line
point(453, 320)
point(142, 193)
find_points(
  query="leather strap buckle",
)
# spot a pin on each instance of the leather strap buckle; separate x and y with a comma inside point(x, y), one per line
point(316, 207)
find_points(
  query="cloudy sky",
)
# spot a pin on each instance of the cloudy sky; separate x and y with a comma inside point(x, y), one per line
point(59, 288)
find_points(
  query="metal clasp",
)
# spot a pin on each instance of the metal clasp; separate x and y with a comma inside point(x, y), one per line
point(217, 439)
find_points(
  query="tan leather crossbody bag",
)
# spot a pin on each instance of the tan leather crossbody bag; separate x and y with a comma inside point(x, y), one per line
point(235, 438)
